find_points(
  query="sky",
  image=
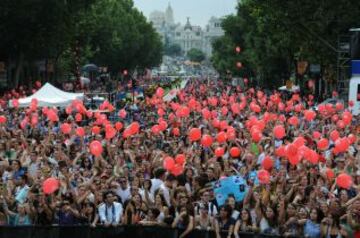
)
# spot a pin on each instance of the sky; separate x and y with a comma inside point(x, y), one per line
point(199, 11)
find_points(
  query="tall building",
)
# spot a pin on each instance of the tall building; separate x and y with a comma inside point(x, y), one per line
point(188, 36)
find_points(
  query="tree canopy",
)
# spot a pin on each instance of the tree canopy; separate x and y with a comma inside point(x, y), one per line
point(196, 55)
point(109, 33)
point(274, 35)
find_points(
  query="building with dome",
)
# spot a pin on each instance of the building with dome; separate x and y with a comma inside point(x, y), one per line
point(188, 36)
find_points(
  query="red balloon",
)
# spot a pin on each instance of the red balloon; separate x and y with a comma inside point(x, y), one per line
point(180, 159)
point(159, 92)
point(177, 170)
point(309, 115)
point(340, 124)
point(163, 125)
point(155, 129)
point(291, 150)
point(294, 160)
point(78, 117)
point(235, 152)
point(342, 144)
point(176, 132)
point(344, 180)
point(237, 49)
point(299, 141)
point(95, 130)
point(3, 119)
point(279, 132)
point(221, 137)
point(66, 128)
point(339, 106)
point(323, 144)
point(206, 141)
point(239, 65)
point(134, 128)
point(294, 121)
point(313, 157)
point(334, 135)
point(168, 163)
point(195, 134)
point(347, 117)
point(80, 131)
point(267, 163)
point(219, 151)
point(335, 118)
point(256, 136)
point(96, 148)
point(281, 151)
point(34, 120)
point(52, 115)
point(118, 126)
point(263, 176)
point(122, 113)
point(206, 114)
point(50, 185)
point(330, 174)
point(110, 132)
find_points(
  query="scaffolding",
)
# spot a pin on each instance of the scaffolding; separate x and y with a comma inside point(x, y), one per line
point(343, 66)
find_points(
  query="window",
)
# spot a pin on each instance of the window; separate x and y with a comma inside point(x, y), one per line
point(178, 34)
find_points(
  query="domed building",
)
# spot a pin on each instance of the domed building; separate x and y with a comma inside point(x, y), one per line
point(188, 36)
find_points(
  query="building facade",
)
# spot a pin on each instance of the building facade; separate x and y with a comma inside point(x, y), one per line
point(188, 36)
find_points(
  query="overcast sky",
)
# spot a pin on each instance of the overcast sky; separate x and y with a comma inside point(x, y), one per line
point(199, 11)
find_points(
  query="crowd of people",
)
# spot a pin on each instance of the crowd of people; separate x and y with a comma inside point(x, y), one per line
point(138, 178)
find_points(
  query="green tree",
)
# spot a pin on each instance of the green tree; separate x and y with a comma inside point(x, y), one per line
point(274, 35)
point(173, 50)
point(196, 55)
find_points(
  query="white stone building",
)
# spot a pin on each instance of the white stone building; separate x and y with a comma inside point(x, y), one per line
point(187, 36)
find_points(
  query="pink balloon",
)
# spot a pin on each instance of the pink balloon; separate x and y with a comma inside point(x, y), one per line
point(95, 130)
point(15, 103)
point(316, 135)
point(50, 185)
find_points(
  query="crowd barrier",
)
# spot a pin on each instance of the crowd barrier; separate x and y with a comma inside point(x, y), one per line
point(103, 232)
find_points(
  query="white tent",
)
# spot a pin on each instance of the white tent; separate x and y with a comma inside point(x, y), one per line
point(294, 88)
point(50, 96)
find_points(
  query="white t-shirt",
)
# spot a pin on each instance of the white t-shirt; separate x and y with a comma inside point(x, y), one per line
point(123, 194)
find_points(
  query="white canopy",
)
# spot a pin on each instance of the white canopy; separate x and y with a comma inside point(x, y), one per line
point(50, 96)
point(294, 88)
